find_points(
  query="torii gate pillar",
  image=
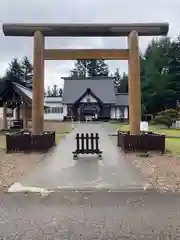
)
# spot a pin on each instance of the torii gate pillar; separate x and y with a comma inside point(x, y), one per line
point(38, 84)
point(134, 86)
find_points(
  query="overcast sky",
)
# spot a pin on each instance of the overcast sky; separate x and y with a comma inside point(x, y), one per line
point(80, 11)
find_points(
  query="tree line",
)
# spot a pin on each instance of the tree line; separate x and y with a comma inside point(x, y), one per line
point(21, 72)
point(97, 68)
point(53, 91)
point(160, 75)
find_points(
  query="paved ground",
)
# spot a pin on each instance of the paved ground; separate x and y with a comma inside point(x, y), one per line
point(61, 171)
point(100, 215)
point(90, 215)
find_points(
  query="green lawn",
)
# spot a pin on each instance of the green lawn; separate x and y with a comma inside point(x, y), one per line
point(59, 136)
point(61, 130)
point(172, 144)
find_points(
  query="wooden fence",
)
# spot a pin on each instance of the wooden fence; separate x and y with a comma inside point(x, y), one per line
point(26, 142)
point(87, 144)
point(145, 142)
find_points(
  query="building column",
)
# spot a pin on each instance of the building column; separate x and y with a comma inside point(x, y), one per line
point(17, 112)
point(134, 84)
point(125, 112)
point(38, 84)
point(24, 115)
point(5, 115)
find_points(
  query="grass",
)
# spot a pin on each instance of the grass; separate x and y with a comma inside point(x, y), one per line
point(172, 144)
point(61, 128)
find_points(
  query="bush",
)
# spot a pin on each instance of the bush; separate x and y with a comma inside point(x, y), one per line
point(166, 117)
point(172, 113)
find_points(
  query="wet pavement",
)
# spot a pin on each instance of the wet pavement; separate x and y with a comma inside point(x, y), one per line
point(90, 216)
point(124, 211)
point(60, 171)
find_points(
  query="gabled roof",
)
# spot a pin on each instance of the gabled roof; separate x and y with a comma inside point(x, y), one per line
point(23, 91)
point(102, 87)
point(122, 99)
point(88, 92)
point(8, 87)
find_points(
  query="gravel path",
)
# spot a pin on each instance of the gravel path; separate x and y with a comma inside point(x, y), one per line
point(14, 166)
point(162, 171)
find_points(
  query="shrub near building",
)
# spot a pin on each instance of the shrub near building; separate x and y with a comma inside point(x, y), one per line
point(166, 117)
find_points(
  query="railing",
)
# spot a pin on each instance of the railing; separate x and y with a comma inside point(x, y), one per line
point(146, 141)
point(87, 144)
point(26, 142)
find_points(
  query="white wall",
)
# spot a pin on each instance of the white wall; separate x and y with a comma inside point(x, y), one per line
point(56, 116)
point(53, 116)
point(48, 116)
point(65, 110)
point(116, 112)
point(126, 112)
point(112, 113)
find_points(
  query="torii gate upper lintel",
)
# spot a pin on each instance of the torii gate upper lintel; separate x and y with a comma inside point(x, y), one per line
point(132, 31)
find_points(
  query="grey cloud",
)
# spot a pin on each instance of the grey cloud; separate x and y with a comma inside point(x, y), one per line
point(69, 11)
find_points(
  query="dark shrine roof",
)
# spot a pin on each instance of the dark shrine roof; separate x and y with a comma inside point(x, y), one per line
point(122, 99)
point(102, 87)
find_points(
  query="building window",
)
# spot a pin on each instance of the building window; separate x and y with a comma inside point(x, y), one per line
point(54, 110)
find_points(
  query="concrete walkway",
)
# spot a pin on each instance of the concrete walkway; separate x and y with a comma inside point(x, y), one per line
point(60, 171)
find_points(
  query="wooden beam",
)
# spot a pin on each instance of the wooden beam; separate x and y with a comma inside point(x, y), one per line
point(5, 125)
point(78, 54)
point(134, 84)
point(24, 115)
point(17, 113)
point(38, 84)
point(86, 30)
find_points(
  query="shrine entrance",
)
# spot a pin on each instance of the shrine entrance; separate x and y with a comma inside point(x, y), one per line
point(131, 31)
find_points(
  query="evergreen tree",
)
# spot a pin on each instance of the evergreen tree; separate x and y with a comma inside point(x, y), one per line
point(80, 70)
point(14, 72)
point(97, 68)
point(27, 70)
point(154, 76)
point(60, 92)
point(74, 74)
point(89, 68)
point(54, 91)
point(117, 80)
point(173, 74)
point(124, 84)
point(45, 93)
point(121, 82)
point(49, 92)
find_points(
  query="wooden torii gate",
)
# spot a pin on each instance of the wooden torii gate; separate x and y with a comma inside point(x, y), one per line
point(40, 31)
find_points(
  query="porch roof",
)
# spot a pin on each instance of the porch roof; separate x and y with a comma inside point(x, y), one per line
point(7, 88)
